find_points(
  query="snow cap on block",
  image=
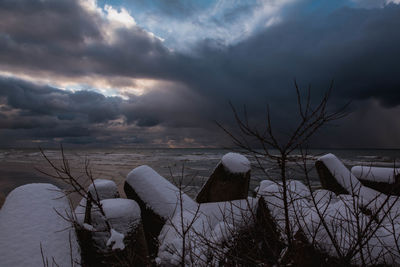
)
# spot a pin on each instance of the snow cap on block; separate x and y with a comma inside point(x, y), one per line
point(31, 220)
point(121, 213)
point(342, 175)
point(157, 193)
point(235, 163)
point(105, 189)
point(376, 174)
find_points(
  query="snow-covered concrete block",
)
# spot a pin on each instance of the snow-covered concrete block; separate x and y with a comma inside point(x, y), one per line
point(263, 184)
point(117, 231)
point(123, 215)
point(158, 199)
point(335, 177)
point(99, 189)
point(31, 219)
point(385, 180)
point(376, 174)
point(211, 223)
point(341, 214)
point(229, 181)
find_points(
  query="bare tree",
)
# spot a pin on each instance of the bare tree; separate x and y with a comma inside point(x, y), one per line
point(350, 231)
point(312, 118)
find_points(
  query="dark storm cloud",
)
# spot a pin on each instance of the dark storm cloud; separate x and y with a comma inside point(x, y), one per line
point(61, 21)
point(62, 37)
point(171, 106)
point(37, 112)
point(42, 113)
point(36, 100)
point(358, 48)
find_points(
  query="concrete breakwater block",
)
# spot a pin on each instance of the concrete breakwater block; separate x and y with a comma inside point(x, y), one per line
point(100, 189)
point(334, 176)
point(115, 234)
point(158, 199)
point(32, 224)
point(229, 181)
point(385, 180)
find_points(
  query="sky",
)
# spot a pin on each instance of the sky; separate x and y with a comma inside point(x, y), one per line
point(158, 73)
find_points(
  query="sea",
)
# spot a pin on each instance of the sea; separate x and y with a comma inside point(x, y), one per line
point(188, 167)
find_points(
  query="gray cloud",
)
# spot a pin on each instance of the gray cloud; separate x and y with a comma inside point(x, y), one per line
point(50, 115)
point(35, 100)
point(358, 48)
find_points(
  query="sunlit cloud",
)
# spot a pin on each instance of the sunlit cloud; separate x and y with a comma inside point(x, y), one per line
point(109, 86)
point(112, 18)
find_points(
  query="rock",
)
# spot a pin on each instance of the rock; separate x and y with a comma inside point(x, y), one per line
point(229, 181)
point(32, 220)
point(158, 199)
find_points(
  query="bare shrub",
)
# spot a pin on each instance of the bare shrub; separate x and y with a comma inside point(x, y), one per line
point(92, 254)
point(355, 233)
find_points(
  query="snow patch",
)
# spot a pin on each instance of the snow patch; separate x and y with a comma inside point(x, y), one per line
point(116, 240)
point(235, 162)
point(88, 227)
point(122, 215)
